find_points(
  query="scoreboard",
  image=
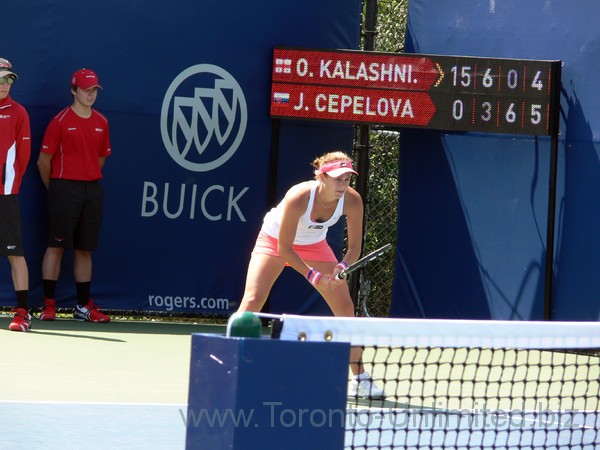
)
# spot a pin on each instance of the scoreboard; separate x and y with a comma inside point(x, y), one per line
point(454, 93)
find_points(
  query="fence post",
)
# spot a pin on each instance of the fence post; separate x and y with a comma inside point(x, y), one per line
point(362, 148)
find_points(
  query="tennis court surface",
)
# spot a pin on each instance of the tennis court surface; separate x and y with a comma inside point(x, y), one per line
point(448, 384)
point(75, 385)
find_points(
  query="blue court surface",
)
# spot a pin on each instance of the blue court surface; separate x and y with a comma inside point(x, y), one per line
point(91, 426)
point(53, 425)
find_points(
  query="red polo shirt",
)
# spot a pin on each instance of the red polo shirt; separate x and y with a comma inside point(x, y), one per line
point(76, 144)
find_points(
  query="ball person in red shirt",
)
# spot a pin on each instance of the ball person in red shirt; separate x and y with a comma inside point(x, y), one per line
point(74, 149)
point(15, 150)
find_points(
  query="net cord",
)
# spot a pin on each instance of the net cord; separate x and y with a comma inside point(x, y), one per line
point(442, 332)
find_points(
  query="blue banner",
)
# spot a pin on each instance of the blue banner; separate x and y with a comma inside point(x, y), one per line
point(186, 89)
point(473, 207)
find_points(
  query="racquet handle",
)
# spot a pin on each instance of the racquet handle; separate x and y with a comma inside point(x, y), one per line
point(362, 261)
point(341, 275)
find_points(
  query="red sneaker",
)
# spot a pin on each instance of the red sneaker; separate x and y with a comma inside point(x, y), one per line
point(90, 313)
point(48, 310)
point(22, 320)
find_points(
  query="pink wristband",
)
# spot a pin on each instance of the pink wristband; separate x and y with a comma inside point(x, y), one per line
point(313, 276)
point(342, 265)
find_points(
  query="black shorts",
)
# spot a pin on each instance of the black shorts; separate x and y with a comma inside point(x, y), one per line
point(10, 226)
point(75, 210)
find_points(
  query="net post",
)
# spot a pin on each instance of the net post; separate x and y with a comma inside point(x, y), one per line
point(257, 393)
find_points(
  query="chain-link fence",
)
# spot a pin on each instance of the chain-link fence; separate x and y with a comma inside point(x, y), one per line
point(381, 203)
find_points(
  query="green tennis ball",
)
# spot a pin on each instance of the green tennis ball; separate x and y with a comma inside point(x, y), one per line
point(245, 324)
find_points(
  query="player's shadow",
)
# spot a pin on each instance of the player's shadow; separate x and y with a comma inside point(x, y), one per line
point(65, 325)
point(77, 336)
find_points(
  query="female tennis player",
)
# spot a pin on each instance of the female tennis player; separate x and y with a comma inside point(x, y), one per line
point(293, 234)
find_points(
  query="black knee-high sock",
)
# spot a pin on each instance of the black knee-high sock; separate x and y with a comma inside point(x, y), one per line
point(83, 292)
point(22, 299)
point(49, 288)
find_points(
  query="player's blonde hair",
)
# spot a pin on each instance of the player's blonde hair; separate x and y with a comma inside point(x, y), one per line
point(327, 158)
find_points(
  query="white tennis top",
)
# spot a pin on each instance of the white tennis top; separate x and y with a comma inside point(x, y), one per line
point(308, 232)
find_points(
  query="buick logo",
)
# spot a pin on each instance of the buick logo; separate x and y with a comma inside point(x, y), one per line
point(203, 117)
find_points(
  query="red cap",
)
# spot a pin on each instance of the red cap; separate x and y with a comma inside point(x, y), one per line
point(337, 168)
point(84, 79)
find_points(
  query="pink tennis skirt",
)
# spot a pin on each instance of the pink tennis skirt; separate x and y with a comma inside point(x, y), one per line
point(321, 251)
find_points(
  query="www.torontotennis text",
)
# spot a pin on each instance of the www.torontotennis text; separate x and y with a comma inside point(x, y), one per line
point(277, 417)
point(415, 417)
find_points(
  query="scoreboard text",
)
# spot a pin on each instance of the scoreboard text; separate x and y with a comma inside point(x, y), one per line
point(409, 90)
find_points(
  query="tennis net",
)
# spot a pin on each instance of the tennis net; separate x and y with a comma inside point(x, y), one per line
point(456, 384)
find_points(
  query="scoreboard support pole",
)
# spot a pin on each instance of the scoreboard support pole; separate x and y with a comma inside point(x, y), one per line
point(549, 269)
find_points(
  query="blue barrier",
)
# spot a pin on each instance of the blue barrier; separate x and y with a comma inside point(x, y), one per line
point(248, 393)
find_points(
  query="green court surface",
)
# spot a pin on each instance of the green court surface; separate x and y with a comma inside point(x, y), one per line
point(75, 385)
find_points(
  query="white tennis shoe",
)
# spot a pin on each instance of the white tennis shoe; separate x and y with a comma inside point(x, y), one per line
point(362, 385)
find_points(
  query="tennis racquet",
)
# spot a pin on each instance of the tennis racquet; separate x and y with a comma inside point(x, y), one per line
point(362, 261)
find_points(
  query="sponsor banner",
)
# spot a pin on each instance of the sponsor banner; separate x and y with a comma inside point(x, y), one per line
point(186, 90)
